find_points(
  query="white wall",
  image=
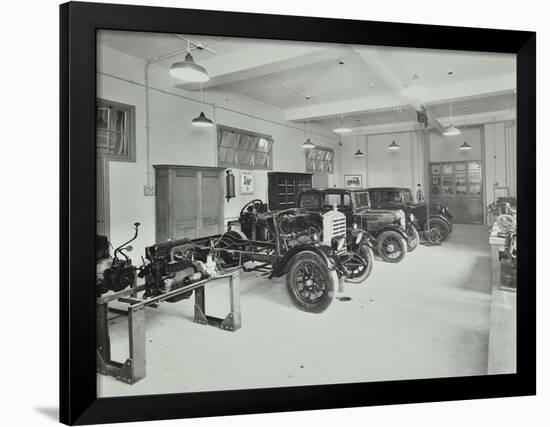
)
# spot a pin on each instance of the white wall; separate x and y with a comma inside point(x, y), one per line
point(174, 140)
point(500, 158)
point(445, 148)
point(383, 167)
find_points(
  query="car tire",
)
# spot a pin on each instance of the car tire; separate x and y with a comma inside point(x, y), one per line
point(392, 247)
point(310, 282)
point(441, 228)
point(414, 238)
point(366, 253)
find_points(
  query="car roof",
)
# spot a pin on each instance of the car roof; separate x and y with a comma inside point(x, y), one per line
point(388, 188)
point(334, 190)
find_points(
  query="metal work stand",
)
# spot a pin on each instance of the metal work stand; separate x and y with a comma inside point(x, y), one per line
point(133, 369)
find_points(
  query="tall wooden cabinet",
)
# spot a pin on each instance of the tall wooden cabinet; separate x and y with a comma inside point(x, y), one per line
point(189, 201)
point(283, 188)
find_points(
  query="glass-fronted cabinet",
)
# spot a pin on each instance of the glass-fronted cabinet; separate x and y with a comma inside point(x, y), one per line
point(459, 186)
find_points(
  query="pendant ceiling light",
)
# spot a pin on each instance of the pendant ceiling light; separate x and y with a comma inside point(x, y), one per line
point(340, 127)
point(465, 146)
point(393, 146)
point(358, 154)
point(202, 120)
point(451, 130)
point(307, 144)
point(189, 70)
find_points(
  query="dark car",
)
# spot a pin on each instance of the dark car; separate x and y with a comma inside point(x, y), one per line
point(441, 220)
point(387, 227)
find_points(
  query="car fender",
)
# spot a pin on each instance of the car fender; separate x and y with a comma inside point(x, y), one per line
point(324, 251)
point(395, 228)
point(367, 239)
point(442, 218)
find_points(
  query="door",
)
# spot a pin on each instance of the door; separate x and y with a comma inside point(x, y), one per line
point(283, 189)
point(102, 197)
point(185, 210)
point(210, 218)
point(458, 185)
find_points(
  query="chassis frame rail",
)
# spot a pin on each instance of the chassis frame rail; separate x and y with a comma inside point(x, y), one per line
point(134, 368)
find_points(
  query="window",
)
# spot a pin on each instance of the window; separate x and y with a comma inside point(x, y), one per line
point(243, 149)
point(115, 130)
point(332, 199)
point(309, 201)
point(361, 200)
point(320, 159)
point(389, 197)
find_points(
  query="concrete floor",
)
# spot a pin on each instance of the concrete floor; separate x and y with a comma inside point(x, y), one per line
point(427, 316)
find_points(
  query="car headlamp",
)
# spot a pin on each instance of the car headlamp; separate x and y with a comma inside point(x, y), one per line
point(411, 217)
point(354, 226)
point(341, 244)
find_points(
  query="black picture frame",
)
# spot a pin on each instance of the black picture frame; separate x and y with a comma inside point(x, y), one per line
point(78, 398)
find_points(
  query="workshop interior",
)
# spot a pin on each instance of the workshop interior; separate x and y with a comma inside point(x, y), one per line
point(277, 213)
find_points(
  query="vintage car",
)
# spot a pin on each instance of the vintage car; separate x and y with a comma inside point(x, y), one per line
point(313, 250)
point(387, 228)
point(441, 220)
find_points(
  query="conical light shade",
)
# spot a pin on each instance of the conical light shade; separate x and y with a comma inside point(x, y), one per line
point(358, 154)
point(465, 146)
point(202, 120)
point(308, 144)
point(189, 71)
point(393, 146)
point(451, 131)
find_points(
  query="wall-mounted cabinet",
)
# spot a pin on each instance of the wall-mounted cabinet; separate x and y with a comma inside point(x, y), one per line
point(189, 201)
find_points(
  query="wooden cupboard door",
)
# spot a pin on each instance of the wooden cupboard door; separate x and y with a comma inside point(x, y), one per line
point(210, 206)
point(163, 230)
point(185, 207)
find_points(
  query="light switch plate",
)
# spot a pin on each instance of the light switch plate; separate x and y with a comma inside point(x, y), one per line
point(149, 190)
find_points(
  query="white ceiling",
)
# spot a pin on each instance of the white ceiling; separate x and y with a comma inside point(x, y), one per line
point(366, 88)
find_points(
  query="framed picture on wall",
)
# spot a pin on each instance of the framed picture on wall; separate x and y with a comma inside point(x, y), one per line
point(159, 288)
point(353, 181)
point(247, 181)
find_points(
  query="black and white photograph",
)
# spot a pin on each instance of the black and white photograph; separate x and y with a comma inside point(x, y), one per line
point(275, 213)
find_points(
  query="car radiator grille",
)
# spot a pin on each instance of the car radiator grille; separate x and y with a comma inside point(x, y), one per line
point(338, 227)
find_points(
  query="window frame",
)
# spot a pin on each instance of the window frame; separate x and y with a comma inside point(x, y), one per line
point(131, 126)
point(315, 161)
point(236, 164)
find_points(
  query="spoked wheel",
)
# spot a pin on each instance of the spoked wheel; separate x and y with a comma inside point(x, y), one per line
point(309, 282)
point(414, 238)
point(359, 264)
point(438, 230)
point(391, 246)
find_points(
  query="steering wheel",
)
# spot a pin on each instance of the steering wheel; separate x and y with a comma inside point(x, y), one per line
point(254, 206)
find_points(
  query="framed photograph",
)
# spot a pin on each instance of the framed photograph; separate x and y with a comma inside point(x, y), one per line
point(247, 181)
point(353, 181)
point(500, 192)
point(179, 293)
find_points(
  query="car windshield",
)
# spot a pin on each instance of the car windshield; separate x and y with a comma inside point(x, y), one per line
point(407, 196)
point(309, 201)
point(331, 199)
point(362, 200)
point(389, 197)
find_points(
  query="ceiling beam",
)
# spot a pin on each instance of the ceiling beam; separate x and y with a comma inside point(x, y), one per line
point(372, 58)
point(260, 60)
